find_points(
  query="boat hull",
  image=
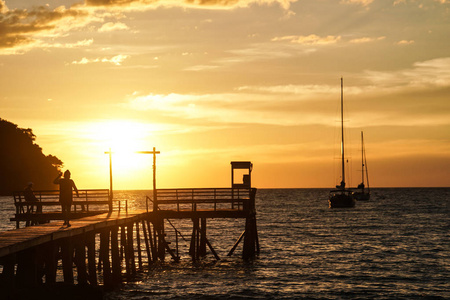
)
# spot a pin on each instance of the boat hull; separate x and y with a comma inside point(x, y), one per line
point(361, 196)
point(341, 199)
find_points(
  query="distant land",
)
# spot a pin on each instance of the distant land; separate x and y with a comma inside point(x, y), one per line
point(22, 160)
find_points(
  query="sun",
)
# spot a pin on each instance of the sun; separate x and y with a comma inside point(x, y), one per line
point(124, 138)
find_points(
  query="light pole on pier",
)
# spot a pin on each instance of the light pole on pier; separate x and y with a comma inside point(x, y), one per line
point(110, 178)
point(154, 152)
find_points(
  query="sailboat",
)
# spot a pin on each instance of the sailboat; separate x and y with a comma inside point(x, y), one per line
point(363, 193)
point(341, 197)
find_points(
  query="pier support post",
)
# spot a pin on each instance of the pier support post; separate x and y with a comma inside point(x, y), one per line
point(50, 261)
point(130, 249)
point(152, 240)
point(138, 240)
point(92, 272)
point(158, 228)
point(27, 270)
point(115, 256)
point(202, 247)
point(251, 242)
point(194, 245)
point(124, 250)
point(104, 258)
point(7, 283)
point(123, 242)
point(80, 260)
point(147, 246)
point(67, 260)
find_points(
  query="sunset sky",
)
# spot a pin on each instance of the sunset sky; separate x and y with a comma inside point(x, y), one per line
point(207, 82)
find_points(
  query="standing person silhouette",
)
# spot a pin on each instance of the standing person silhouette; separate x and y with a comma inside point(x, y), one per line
point(65, 194)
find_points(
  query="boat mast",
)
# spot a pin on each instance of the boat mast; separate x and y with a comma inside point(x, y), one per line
point(342, 134)
point(362, 158)
point(365, 166)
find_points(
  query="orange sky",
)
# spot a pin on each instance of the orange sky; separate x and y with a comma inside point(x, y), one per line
point(209, 82)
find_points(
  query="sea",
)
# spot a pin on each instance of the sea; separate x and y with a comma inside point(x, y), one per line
point(394, 246)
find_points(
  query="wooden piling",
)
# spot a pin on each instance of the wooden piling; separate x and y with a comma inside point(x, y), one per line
point(7, 284)
point(115, 256)
point(130, 249)
point(147, 245)
point(193, 249)
point(90, 244)
point(80, 261)
point(250, 239)
point(138, 241)
point(158, 230)
point(26, 268)
point(202, 246)
point(67, 259)
point(104, 257)
point(152, 240)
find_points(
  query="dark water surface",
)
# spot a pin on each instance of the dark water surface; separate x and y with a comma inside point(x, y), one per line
point(395, 246)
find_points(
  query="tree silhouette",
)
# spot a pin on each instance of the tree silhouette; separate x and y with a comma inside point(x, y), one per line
point(22, 160)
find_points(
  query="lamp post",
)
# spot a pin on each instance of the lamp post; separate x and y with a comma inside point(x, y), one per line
point(110, 179)
point(154, 152)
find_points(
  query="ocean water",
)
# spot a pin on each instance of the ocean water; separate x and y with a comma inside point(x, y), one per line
point(395, 246)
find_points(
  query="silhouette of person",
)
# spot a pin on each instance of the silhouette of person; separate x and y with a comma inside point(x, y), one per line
point(31, 198)
point(65, 194)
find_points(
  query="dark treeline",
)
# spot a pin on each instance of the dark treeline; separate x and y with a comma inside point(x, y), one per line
point(22, 160)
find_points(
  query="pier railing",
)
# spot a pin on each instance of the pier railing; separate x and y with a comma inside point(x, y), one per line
point(47, 207)
point(204, 199)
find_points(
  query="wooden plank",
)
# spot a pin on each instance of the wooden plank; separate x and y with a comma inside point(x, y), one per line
point(16, 240)
point(13, 241)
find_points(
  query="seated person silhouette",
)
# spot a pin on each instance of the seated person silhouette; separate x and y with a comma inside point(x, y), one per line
point(31, 198)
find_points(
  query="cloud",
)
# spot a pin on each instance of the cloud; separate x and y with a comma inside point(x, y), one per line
point(311, 39)
point(424, 75)
point(110, 26)
point(397, 2)
point(23, 48)
point(23, 29)
point(116, 60)
point(302, 91)
point(360, 2)
point(433, 73)
point(405, 42)
point(209, 4)
point(366, 40)
point(230, 108)
point(201, 68)
point(3, 7)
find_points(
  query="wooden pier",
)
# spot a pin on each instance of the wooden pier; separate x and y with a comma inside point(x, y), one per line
point(108, 248)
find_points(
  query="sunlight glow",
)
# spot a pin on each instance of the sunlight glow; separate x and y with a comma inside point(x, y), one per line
point(124, 138)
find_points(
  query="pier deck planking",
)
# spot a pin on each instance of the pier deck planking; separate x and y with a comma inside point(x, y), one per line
point(13, 241)
point(30, 254)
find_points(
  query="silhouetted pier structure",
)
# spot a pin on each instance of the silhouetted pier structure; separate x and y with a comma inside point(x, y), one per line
point(47, 208)
point(108, 248)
